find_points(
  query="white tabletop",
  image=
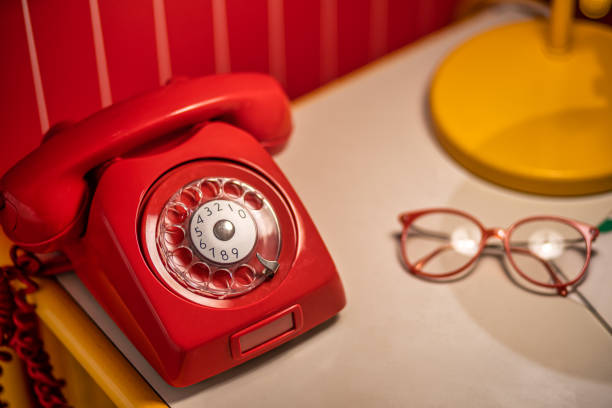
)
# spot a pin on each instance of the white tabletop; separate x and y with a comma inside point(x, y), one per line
point(362, 152)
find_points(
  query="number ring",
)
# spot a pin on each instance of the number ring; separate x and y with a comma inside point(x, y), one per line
point(208, 245)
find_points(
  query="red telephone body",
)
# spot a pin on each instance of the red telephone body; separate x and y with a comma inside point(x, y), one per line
point(139, 193)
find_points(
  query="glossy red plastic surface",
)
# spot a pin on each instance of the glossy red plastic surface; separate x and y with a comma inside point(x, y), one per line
point(265, 333)
point(184, 341)
point(50, 193)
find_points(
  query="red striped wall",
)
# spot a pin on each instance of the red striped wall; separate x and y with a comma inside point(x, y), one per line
point(302, 46)
point(64, 59)
point(128, 29)
point(19, 118)
point(190, 37)
point(248, 41)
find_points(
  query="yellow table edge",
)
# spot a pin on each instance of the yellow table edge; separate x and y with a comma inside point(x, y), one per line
point(91, 348)
point(108, 368)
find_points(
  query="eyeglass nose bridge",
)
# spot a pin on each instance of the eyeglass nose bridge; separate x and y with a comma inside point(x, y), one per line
point(499, 233)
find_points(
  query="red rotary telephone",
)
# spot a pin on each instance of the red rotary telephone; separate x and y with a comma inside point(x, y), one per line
point(179, 222)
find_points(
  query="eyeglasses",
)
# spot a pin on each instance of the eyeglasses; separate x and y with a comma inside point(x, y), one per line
point(547, 251)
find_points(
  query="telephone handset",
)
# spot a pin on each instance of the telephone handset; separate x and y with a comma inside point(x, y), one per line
point(179, 222)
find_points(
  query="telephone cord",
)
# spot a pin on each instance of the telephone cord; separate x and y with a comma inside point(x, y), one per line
point(19, 324)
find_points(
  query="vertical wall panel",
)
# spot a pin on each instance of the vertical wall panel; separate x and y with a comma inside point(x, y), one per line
point(353, 34)
point(379, 20)
point(190, 37)
point(276, 41)
point(64, 44)
point(428, 14)
point(128, 28)
point(433, 15)
point(19, 121)
point(329, 40)
point(302, 45)
point(403, 22)
point(247, 26)
point(444, 12)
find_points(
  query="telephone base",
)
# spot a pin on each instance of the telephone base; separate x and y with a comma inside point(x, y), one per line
point(516, 113)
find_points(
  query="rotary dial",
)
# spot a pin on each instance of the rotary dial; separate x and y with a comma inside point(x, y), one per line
point(219, 237)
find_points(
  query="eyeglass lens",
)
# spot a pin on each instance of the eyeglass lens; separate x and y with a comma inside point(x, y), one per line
point(548, 252)
point(440, 243)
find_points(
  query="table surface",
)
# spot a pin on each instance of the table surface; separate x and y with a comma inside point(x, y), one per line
point(362, 152)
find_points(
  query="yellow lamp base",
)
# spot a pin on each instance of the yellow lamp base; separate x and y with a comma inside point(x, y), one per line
point(516, 113)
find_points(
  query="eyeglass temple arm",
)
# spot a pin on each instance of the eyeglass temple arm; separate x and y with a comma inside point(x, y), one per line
point(562, 289)
point(439, 235)
point(421, 262)
point(427, 233)
point(564, 240)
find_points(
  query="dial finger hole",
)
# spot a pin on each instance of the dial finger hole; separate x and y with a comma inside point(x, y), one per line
point(253, 200)
point(191, 196)
point(244, 275)
point(174, 235)
point(221, 279)
point(210, 189)
point(232, 189)
point(177, 213)
point(181, 256)
point(199, 272)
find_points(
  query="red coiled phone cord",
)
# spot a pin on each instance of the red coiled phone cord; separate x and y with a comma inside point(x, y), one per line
point(19, 324)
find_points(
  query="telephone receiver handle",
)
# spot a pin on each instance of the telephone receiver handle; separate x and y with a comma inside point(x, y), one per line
point(43, 196)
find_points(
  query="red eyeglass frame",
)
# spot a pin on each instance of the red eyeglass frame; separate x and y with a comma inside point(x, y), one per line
point(588, 232)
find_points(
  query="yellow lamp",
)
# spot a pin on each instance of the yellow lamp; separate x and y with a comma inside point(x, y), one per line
point(529, 105)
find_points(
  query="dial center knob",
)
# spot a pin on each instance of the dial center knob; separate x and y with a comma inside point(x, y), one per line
point(224, 230)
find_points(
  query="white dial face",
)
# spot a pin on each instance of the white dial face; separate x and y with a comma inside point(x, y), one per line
point(223, 231)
